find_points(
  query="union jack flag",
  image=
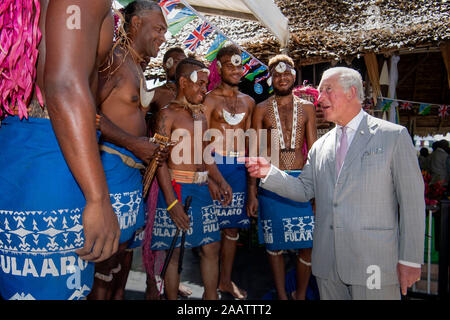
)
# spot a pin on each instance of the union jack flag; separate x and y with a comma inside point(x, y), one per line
point(443, 111)
point(167, 5)
point(198, 35)
point(405, 106)
point(248, 66)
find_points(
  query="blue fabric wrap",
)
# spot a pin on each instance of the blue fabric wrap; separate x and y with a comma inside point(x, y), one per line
point(125, 191)
point(235, 214)
point(139, 236)
point(204, 226)
point(282, 223)
point(40, 216)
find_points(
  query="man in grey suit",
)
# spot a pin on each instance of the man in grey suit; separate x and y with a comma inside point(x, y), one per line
point(370, 208)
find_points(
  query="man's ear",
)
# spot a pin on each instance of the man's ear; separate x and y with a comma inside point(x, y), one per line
point(219, 67)
point(183, 82)
point(352, 93)
point(136, 23)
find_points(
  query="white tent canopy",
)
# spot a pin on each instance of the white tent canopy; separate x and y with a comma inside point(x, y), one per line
point(265, 11)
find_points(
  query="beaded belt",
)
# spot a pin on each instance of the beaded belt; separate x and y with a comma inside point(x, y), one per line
point(231, 154)
point(129, 161)
point(189, 176)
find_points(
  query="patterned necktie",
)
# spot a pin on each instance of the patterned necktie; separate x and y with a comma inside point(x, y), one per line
point(341, 150)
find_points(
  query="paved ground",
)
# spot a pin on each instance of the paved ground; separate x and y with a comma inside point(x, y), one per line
point(251, 271)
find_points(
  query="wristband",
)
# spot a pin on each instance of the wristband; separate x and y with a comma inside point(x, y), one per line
point(171, 206)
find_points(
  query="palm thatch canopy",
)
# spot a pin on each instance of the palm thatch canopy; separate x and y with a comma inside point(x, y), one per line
point(325, 30)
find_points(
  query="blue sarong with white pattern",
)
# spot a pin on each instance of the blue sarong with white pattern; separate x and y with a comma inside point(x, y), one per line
point(125, 191)
point(204, 226)
point(235, 214)
point(41, 209)
point(282, 223)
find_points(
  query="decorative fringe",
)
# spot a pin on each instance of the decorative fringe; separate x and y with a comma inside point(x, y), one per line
point(19, 42)
point(149, 256)
point(214, 76)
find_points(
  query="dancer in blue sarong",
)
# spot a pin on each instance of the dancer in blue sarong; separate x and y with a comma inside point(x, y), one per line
point(229, 110)
point(124, 146)
point(284, 224)
point(186, 174)
point(56, 218)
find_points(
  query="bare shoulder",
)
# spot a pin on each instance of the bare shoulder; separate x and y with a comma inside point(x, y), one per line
point(248, 99)
point(211, 97)
point(260, 110)
point(164, 120)
point(160, 92)
point(308, 107)
point(262, 106)
point(117, 64)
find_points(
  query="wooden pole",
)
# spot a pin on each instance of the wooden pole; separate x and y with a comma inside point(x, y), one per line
point(445, 51)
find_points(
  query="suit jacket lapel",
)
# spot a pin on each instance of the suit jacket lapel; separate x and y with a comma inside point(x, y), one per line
point(330, 152)
point(360, 140)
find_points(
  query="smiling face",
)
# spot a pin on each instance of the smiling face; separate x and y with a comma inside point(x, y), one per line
point(151, 32)
point(231, 69)
point(283, 79)
point(335, 101)
point(195, 92)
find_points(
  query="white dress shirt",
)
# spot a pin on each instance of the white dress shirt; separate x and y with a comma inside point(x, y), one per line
point(352, 127)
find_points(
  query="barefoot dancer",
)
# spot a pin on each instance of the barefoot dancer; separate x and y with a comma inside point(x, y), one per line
point(186, 174)
point(123, 99)
point(230, 110)
point(284, 224)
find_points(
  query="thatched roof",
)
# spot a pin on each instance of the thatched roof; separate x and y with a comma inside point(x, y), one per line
point(324, 30)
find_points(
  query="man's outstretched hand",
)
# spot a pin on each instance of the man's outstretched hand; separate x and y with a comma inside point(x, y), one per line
point(101, 232)
point(258, 167)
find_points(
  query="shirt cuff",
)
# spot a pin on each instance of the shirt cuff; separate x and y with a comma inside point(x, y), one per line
point(410, 264)
point(263, 180)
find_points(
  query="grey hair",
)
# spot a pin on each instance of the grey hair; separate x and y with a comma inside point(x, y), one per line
point(347, 78)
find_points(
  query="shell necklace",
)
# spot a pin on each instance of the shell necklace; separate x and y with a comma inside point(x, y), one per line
point(278, 122)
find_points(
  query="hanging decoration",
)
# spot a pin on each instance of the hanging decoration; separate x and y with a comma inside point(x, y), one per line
point(443, 111)
point(179, 20)
point(168, 5)
point(215, 47)
point(179, 13)
point(419, 108)
point(197, 36)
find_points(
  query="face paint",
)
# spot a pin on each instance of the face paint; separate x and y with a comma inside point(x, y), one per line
point(219, 64)
point(281, 67)
point(169, 63)
point(236, 60)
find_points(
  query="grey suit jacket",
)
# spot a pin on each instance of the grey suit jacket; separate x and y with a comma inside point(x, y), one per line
point(373, 214)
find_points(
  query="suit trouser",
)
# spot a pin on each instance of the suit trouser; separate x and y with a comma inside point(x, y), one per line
point(330, 290)
point(334, 289)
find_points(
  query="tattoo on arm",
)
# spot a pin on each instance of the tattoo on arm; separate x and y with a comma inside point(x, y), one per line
point(162, 124)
